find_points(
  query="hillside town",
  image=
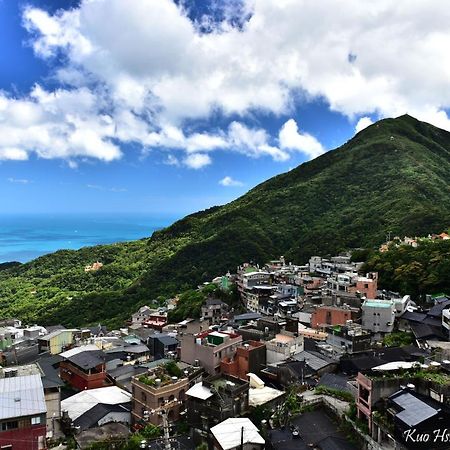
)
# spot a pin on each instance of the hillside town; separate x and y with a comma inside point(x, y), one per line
point(308, 356)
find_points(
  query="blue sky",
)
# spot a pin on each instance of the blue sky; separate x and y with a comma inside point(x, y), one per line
point(170, 108)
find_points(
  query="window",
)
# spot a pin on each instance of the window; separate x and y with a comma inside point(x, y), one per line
point(143, 397)
point(12, 425)
point(36, 420)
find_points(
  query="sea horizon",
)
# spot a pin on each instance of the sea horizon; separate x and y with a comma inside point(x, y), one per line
point(24, 237)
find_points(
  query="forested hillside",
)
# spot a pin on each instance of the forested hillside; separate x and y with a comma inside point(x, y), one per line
point(393, 176)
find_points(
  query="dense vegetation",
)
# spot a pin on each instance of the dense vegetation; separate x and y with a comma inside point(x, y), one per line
point(416, 271)
point(393, 176)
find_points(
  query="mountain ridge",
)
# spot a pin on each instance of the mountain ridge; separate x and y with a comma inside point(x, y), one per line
point(392, 176)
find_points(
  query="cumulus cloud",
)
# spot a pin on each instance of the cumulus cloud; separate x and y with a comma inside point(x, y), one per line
point(291, 138)
point(362, 123)
point(147, 85)
point(197, 160)
point(230, 182)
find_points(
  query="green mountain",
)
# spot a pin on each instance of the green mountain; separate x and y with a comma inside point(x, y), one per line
point(393, 176)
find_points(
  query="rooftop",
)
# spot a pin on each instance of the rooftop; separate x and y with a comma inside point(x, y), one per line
point(21, 396)
point(378, 303)
point(166, 373)
point(80, 403)
point(232, 432)
point(414, 410)
point(88, 359)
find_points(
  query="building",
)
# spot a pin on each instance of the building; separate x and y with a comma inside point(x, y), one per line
point(93, 267)
point(162, 345)
point(415, 415)
point(249, 357)
point(352, 283)
point(95, 407)
point(208, 348)
point(84, 369)
point(333, 315)
point(378, 316)
point(213, 310)
point(260, 299)
point(348, 338)
point(159, 386)
point(237, 434)
point(210, 402)
point(57, 341)
point(380, 382)
point(22, 413)
point(283, 346)
point(156, 320)
point(261, 395)
point(141, 315)
point(446, 320)
point(48, 367)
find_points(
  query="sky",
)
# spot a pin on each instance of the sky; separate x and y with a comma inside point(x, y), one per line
point(169, 107)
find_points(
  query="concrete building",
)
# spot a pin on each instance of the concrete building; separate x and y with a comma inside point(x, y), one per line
point(283, 346)
point(378, 316)
point(213, 310)
point(141, 315)
point(210, 402)
point(158, 387)
point(249, 357)
point(162, 345)
point(332, 315)
point(382, 381)
point(348, 338)
point(208, 348)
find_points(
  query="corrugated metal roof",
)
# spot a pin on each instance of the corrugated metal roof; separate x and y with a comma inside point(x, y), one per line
point(21, 396)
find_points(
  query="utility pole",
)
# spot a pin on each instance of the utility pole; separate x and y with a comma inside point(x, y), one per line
point(163, 411)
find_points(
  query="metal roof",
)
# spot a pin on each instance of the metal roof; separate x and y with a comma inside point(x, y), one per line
point(74, 351)
point(414, 411)
point(88, 360)
point(232, 432)
point(313, 359)
point(80, 403)
point(199, 391)
point(21, 396)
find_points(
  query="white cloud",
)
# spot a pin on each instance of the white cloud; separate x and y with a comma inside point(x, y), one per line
point(98, 187)
point(19, 180)
point(197, 160)
point(362, 123)
point(172, 161)
point(230, 182)
point(146, 85)
point(290, 138)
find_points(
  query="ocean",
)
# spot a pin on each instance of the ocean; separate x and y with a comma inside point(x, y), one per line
point(25, 237)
